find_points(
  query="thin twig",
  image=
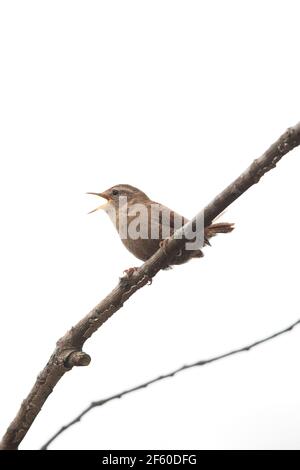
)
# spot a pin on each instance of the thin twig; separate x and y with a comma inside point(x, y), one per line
point(68, 352)
point(204, 362)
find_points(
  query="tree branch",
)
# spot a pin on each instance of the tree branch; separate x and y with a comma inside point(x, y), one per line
point(174, 372)
point(68, 352)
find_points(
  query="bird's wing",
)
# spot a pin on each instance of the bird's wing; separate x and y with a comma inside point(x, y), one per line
point(166, 217)
point(171, 220)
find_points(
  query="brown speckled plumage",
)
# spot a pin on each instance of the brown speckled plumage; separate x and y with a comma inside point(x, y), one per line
point(144, 248)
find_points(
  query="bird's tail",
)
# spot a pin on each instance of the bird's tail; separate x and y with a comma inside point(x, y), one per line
point(213, 230)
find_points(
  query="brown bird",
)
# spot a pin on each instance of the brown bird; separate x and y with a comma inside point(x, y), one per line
point(144, 225)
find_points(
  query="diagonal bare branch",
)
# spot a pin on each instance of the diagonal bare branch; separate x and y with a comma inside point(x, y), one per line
point(68, 352)
point(174, 372)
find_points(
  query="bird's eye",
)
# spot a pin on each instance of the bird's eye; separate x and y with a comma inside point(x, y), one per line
point(115, 192)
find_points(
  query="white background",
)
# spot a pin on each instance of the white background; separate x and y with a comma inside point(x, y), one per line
point(176, 98)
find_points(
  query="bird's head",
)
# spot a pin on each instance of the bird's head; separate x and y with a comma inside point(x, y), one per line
point(120, 194)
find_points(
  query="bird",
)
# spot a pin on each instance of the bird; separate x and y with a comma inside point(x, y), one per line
point(145, 225)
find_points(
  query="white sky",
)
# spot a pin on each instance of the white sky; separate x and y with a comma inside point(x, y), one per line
point(176, 98)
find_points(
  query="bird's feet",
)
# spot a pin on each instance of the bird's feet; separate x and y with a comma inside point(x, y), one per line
point(130, 271)
point(164, 244)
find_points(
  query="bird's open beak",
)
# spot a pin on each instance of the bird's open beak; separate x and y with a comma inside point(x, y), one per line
point(103, 206)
